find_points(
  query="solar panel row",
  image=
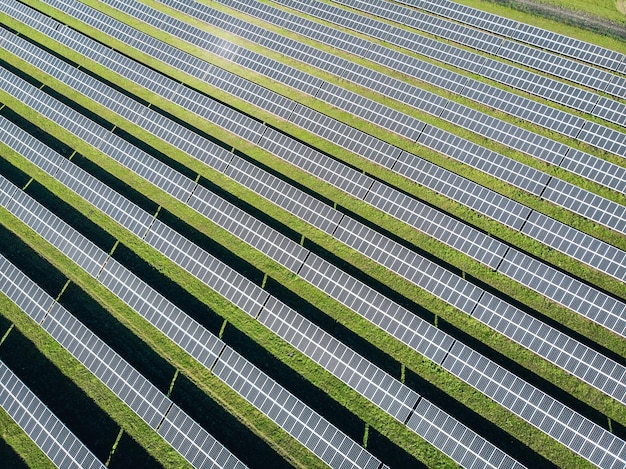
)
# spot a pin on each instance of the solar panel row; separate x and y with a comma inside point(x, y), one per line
point(597, 208)
point(543, 115)
point(324, 439)
point(369, 147)
point(507, 134)
point(525, 33)
point(127, 286)
point(56, 441)
point(514, 51)
point(327, 364)
point(576, 296)
point(151, 405)
point(556, 293)
point(286, 312)
point(515, 77)
point(493, 261)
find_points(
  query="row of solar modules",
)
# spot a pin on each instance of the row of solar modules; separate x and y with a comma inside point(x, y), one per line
point(151, 405)
point(575, 199)
point(298, 331)
point(563, 68)
point(291, 414)
point(50, 435)
point(543, 148)
point(587, 249)
point(443, 431)
point(525, 33)
point(39, 109)
point(539, 85)
point(577, 296)
point(293, 262)
point(573, 160)
point(293, 256)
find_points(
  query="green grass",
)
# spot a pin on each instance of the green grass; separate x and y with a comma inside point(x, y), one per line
point(202, 378)
point(298, 362)
point(24, 448)
point(605, 9)
point(451, 385)
point(382, 274)
point(92, 387)
point(492, 227)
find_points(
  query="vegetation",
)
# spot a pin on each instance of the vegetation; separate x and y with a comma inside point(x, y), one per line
point(251, 336)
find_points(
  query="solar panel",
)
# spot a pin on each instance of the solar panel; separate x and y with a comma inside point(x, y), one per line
point(379, 310)
point(346, 137)
point(272, 188)
point(347, 179)
point(581, 361)
point(127, 286)
point(194, 443)
point(490, 162)
point(440, 226)
point(508, 134)
point(370, 111)
point(56, 441)
point(202, 265)
point(125, 382)
point(131, 387)
point(54, 230)
point(436, 427)
point(603, 137)
point(570, 204)
point(339, 360)
point(29, 297)
point(507, 214)
point(588, 205)
point(464, 191)
point(565, 290)
point(577, 244)
point(451, 55)
point(521, 145)
point(514, 51)
point(205, 348)
point(415, 268)
point(542, 38)
point(312, 430)
point(537, 408)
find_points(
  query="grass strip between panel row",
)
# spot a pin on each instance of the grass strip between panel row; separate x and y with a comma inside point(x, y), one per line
point(432, 373)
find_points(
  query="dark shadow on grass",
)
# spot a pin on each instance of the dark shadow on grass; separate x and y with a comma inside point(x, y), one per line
point(129, 346)
point(13, 174)
point(389, 453)
point(539, 382)
point(212, 247)
point(91, 424)
point(10, 458)
point(71, 216)
point(36, 132)
point(30, 263)
point(476, 422)
point(118, 186)
point(174, 292)
point(225, 427)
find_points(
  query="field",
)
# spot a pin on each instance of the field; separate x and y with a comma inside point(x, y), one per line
point(115, 434)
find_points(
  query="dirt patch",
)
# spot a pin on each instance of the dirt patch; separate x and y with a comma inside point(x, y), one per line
point(574, 18)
